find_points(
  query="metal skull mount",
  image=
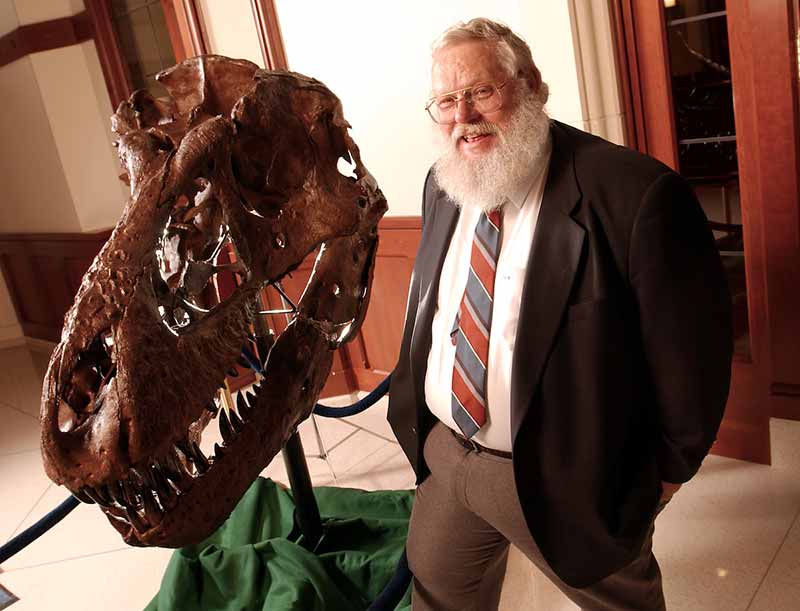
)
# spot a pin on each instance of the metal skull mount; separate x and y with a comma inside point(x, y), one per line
point(237, 160)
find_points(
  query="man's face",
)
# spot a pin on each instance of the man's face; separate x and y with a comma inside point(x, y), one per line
point(463, 65)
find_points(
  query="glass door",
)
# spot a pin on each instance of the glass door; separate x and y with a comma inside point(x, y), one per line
point(702, 94)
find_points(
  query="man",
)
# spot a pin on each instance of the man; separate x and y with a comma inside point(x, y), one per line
point(566, 353)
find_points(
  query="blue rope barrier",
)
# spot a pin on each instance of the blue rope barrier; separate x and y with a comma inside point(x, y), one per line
point(30, 535)
point(359, 406)
point(328, 411)
point(394, 591)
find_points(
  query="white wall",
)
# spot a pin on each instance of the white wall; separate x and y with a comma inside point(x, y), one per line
point(231, 29)
point(81, 129)
point(376, 57)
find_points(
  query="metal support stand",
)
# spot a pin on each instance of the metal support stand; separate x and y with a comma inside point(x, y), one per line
point(306, 511)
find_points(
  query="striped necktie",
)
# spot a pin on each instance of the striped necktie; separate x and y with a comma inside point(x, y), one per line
point(471, 329)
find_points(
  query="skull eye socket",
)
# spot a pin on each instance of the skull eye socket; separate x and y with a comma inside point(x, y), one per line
point(192, 258)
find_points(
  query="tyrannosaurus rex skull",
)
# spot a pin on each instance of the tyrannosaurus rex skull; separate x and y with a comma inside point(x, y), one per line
point(236, 161)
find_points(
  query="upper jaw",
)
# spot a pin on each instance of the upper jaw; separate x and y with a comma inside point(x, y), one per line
point(474, 146)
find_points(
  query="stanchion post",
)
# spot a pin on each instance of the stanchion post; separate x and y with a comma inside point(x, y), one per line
point(306, 511)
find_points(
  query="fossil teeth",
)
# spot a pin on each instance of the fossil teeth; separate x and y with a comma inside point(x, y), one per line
point(225, 426)
point(152, 511)
point(166, 495)
point(135, 520)
point(131, 491)
point(103, 494)
point(201, 462)
point(184, 472)
point(241, 405)
point(83, 496)
point(118, 494)
point(236, 422)
point(142, 477)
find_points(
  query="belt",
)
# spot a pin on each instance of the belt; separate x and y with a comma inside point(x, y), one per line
point(475, 446)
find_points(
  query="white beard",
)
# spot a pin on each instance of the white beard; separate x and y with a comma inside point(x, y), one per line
point(485, 182)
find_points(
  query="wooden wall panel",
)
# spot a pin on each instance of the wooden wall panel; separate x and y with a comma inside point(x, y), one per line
point(43, 273)
point(44, 36)
point(383, 325)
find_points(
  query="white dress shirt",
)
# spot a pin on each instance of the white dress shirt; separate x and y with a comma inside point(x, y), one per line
point(520, 214)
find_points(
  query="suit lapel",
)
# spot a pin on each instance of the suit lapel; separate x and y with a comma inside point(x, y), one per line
point(441, 226)
point(555, 254)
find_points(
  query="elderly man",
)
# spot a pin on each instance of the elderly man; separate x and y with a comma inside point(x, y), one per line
point(566, 353)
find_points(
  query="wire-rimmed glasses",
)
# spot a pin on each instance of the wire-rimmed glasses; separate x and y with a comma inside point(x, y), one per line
point(484, 97)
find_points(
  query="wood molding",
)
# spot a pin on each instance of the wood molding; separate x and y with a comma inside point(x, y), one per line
point(115, 69)
point(642, 52)
point(624, 36)
point(44, 36)
point(185, 28)
point(269, 34)
point(43, 272)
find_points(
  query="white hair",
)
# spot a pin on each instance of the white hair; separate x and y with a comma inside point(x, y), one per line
point(512, 51)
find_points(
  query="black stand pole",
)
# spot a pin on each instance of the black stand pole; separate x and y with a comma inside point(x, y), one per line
point(306, 511)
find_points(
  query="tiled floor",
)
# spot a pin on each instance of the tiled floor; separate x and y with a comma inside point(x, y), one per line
point(729, 541)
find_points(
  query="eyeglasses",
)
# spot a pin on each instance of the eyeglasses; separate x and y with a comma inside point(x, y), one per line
point(484, 97)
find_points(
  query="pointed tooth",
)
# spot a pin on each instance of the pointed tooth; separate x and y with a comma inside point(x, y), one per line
point(251, 398)
point(139, 477)
point(184, 473)
point(92, 494)
point(131, 491)
point(236, 421)
point(201, 462)
point(225, 426)
point(171, 470)
point(135, 520)
point(103, 494)
point(186, 450)
point(242, 406)
point(83, 496)
point(152, 511)
point(166, 495)
point(118, 494)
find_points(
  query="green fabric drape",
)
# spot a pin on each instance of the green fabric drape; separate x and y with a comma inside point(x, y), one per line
point(255, 562)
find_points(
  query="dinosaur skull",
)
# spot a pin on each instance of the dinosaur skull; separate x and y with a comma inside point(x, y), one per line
point(237, 162)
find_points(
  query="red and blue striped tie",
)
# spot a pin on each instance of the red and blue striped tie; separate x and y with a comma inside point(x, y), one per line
point(471, 329)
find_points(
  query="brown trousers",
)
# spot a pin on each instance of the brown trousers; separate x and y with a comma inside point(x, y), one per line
point(464, 516)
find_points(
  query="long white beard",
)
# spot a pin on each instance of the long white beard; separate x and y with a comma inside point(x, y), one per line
point(485, 182)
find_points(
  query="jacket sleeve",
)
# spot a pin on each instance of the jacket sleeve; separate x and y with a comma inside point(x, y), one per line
point(684, 309)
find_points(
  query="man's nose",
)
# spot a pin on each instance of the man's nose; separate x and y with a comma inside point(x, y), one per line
point(465, 111)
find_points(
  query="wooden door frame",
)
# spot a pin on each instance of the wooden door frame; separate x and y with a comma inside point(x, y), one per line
point(754, 28)
point(185, 32)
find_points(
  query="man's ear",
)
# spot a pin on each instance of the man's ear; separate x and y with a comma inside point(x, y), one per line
point(532, 77)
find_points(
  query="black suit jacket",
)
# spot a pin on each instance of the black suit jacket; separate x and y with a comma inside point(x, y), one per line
point(622, 361)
